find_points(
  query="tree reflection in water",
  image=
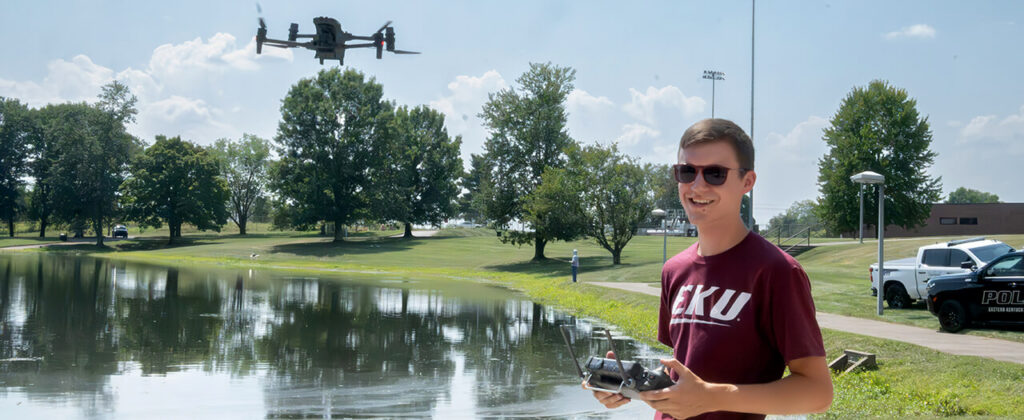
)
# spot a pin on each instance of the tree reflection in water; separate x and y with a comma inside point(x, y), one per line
point(348, 347)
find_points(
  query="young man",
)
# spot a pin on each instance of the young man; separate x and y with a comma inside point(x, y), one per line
point(735, 308)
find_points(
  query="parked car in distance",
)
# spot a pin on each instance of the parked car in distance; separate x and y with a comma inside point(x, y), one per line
point(905, 280)
point(992, 294)
point(121, 231)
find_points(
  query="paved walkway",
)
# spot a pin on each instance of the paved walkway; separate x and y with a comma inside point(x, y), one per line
point(417, 233)
point(967, 345)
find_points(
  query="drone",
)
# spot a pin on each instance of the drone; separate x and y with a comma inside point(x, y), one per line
point(329, 42)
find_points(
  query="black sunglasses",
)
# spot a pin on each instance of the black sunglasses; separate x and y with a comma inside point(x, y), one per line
point(713, 174)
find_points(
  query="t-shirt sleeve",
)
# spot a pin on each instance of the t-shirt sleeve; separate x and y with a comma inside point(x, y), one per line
point(793, 321)
point(664, 311)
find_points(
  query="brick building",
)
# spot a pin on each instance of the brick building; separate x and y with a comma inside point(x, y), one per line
point(967, 219)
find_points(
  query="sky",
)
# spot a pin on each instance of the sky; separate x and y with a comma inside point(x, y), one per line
point(194, 68)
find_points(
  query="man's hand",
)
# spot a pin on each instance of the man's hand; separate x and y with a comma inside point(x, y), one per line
point(609, 399)
point(687, 398)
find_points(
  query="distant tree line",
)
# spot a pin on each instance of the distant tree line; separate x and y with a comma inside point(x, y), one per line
point(343, 154)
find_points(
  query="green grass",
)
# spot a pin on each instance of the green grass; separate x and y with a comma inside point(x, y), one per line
point(911, 381)
point(19, 240)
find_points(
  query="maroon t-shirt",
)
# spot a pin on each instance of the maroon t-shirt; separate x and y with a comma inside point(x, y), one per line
point(737, 317)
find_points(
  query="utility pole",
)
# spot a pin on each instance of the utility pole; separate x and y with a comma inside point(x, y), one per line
point(750, 215)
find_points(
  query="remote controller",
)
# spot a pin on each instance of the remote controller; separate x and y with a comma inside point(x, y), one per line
point(615, 376)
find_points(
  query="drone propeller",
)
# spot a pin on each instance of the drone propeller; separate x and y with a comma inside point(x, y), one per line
point(404, 52)
point(383, 27)
point(259, 11)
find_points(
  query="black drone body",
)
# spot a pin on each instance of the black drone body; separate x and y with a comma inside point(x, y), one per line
point(330, 41)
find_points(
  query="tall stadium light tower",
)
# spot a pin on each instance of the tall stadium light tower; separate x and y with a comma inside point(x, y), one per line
point(713, 75)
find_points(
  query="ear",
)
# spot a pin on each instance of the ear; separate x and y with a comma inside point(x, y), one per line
point(748, 181)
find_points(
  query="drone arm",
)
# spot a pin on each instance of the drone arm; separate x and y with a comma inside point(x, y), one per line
point(286, 44)
point(366, 45)
point(361, 38)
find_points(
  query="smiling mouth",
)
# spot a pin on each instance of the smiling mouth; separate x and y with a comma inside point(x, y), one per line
point(700, 202)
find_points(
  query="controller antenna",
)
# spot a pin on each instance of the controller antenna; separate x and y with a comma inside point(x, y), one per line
point(611, 344)
point(568, 343)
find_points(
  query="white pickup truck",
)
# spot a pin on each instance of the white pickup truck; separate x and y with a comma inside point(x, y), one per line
point(906, 279)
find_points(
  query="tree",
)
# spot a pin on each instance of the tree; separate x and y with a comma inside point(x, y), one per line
point(15, 141)
point(335, 142)
point(877, 128)
point(469, 206)
point(48, 126)
point(176, 182)
point(118, 102)
point(799, 215)
point(557, 204)
point(244, 165)
point(92, 151)
point(616, 195)
point(527, 137)
point(665, 186)
point(426, 169)
point(965, 195)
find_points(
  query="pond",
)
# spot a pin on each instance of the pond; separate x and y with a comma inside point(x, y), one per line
point(83, 337)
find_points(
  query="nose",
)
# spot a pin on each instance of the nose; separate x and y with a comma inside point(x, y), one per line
point(699, 184)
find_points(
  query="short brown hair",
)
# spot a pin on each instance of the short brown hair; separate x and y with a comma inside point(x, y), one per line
point(716, 129)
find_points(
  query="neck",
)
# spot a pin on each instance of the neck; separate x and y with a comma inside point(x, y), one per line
point(714, 240)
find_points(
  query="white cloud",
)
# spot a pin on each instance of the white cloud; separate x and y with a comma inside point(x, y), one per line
point(592, 118)
point(245, 58)
point(920, 31)
point(645, 106)
point(465, 98)
point(989, 129)
point(165, 106)
point(218, 53)
point(787, 167)
point(632, 134)
point(579, 100)
point(66, 81)
point(190, 118)
point(984, 154)
point(806, 134)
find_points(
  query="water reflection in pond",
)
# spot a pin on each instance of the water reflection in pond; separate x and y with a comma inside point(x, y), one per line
point(84, 337)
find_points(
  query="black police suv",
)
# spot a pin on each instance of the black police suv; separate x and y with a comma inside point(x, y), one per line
point(992, 294)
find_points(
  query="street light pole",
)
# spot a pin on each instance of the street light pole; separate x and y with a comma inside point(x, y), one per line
point(860, 227)
point(713, 75)
point(664, 234)
point(868, 177)
point(664, 241)
point(881, 238)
